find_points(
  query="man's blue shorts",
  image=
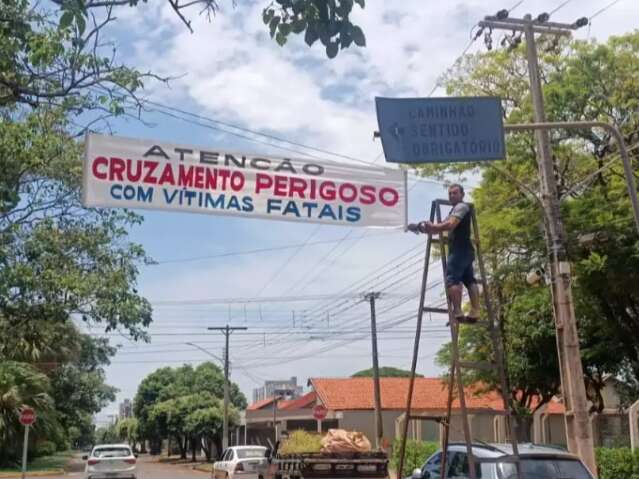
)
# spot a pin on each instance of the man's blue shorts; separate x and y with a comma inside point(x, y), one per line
point(459, 269)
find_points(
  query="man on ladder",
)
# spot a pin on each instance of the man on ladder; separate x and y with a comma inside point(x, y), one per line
point(461, 254)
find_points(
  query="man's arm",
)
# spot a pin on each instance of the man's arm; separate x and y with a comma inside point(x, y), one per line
point(456, 215)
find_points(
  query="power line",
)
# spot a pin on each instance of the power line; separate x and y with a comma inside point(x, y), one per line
point(599, 12)
point(255, 251)
point(562, 5)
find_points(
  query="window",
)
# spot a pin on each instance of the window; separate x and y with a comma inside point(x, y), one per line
point(433, 465)
point(459, 466)
point(547, 468)
point(250, 453)
point(112, 452)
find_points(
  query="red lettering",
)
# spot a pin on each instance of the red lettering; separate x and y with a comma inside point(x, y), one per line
point(199, 177)
point(327, 191)
point(116, 169)
point(280, 185)
point(99, 161)
point(167, 175)
point(298, 186)
point(394, 196)
point(262, 182)
point(129, 170)
point(237, 181)
point(342, 192)
point(185, 176)
point(367, 195)
point(224, 174)
point(150, 168)
point(211, 179)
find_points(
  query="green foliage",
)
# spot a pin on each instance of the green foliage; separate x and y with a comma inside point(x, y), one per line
point(323, 20)
point(415, 456)
point(128, 430)
point(22, 385)
point(45, 448)
point(300, 442)
point(184, 403)
point(617, 463)
point(583, 81)
point(385, 372)
point(107, 435)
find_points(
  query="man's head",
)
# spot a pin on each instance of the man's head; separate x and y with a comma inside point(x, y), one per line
point(455, 193)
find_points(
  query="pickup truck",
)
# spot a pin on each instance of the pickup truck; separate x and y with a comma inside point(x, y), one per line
point(355, 465)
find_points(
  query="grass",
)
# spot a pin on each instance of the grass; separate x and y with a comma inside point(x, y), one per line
point(56, 462)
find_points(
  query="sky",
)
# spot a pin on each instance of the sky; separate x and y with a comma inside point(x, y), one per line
point(301, 294)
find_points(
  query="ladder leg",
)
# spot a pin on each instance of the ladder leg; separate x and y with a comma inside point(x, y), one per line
point(498, 349)
point(418, 331)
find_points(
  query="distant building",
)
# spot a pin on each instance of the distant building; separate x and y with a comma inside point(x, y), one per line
point(126, 409)
point(287, 389)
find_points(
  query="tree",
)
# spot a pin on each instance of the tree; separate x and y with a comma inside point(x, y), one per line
point(128, 430)
point(22, 385)
point(581, 81)
point(326, 21)
point(384, 372)
point(176, 402)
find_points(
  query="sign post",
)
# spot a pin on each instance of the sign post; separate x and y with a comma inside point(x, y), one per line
point(319, 413)
point(441, 130)
point(27, 417)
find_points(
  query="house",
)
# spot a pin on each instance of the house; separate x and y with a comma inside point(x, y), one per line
point(350, 406)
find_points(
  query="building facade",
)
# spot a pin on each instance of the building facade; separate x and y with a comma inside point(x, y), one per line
point(287, 389)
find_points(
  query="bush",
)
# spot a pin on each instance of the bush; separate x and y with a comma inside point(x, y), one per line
point(300, 442)
point(45, 448)
point(416, 454)
point(617, 463)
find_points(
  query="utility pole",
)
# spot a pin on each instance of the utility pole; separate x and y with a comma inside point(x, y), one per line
point(379, 428)
point(226, 330)
point(578, 427)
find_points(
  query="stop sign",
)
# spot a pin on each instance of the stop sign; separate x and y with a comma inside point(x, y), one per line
point(319, 412)
point(27, 416)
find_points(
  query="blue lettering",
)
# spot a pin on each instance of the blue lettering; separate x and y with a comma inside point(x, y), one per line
point(273, 205)
point(353, 214)
point(291, 207)
point(327, 211)
point(234, 203)
point(116, 192)
point(247, 201)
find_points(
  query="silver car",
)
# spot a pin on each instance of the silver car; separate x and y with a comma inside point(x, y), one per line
point(111, 461)
point(537, 462)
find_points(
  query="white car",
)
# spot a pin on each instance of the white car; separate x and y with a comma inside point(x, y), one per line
point(241, 462)
point(110, 461)
point(537, 462)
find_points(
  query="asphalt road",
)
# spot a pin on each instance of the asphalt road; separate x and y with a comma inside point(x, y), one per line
point(149, 469)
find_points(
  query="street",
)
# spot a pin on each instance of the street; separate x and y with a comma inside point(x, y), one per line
point(148, 468)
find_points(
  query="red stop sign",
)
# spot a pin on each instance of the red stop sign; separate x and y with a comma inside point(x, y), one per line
point(27, 416)
point(319, 412)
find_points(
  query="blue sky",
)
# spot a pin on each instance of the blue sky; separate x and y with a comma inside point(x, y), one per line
point(229, 70)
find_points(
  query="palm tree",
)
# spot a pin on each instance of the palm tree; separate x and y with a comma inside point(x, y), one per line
point(22, 385)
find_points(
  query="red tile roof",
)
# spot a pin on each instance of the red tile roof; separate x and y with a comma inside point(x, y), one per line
point(260, 404)
point(555, 406)
point(429, 393)
point(306, 401)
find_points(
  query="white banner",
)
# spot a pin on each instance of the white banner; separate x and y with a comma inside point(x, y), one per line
point(123, 172)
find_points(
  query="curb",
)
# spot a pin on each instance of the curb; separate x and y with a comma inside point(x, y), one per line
point(51, 472)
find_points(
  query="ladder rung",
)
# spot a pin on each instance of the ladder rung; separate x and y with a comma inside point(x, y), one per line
point(428, 418)
point(428, 309)
point(485, 365)
point(494, 460)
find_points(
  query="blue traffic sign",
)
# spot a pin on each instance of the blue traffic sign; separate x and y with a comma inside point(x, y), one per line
point(441, 130)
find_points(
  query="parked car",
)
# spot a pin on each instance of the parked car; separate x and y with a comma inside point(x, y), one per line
point(537, 462)
point(110, 461)
point(241, 462)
